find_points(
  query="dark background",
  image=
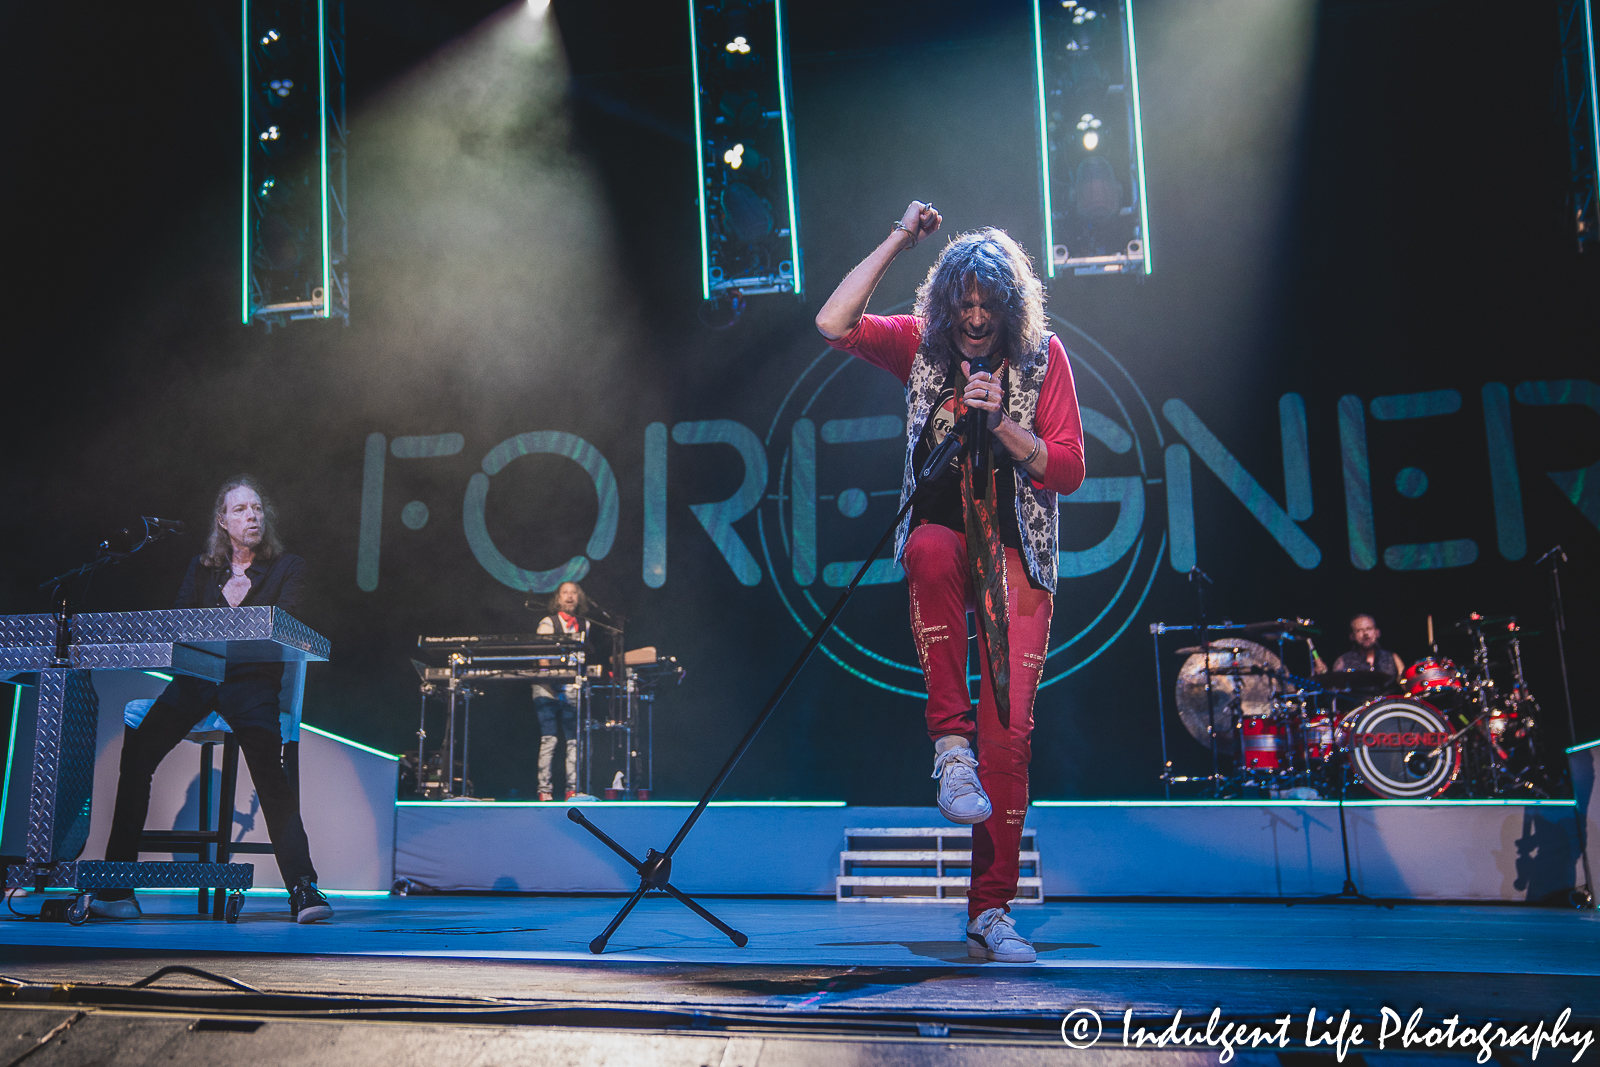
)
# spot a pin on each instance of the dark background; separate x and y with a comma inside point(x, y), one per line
point(1358, 198)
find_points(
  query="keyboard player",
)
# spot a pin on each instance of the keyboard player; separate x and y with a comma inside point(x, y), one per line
point(567, 610)
point(243, 565)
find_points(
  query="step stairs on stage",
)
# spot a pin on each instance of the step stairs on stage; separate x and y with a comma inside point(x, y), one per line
point(922, 865)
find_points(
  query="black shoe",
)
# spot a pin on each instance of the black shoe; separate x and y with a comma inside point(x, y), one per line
point(307, 904)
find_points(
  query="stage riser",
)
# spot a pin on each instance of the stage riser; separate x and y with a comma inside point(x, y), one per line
point(1434, 852)
point(346, 795)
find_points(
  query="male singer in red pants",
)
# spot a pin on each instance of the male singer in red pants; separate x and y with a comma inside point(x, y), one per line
point(983, 536)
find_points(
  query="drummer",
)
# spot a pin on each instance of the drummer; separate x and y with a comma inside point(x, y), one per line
point(1365, 653)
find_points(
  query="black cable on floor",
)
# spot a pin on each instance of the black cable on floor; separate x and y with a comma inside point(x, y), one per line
point(10, 893)
point(178, 968)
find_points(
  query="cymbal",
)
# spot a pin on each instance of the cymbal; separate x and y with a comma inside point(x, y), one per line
point(1219, 647)
point(1355, 680)
point(1244, 669)
point(1478, 622)
point(1274, 627)
point(1509, 634)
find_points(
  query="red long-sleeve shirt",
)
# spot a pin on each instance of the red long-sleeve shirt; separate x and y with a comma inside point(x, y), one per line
point(891, 342)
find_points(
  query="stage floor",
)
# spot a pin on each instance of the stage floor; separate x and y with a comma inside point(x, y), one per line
point(1494, 939)
point(1254, 960)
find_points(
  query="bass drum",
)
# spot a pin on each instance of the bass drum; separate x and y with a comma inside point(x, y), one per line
point(1395, 747)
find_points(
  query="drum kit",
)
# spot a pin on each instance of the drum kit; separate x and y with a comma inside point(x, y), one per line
point(1434, 728)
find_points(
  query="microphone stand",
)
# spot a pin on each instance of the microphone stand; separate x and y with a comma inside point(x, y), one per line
point(61, 591)
point(1583, 897)
point(1349, 893)
point(1557, 556)
point(655, 870)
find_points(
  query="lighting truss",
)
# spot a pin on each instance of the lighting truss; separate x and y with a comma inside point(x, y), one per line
point(1091, 138)
point(744, 149)
point(1581, 110)
point(294, 237)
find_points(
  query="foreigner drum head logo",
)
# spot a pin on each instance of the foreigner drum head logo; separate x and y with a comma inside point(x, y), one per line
point(840, 432)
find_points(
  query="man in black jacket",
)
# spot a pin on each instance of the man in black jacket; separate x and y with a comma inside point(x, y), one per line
point(244, 565)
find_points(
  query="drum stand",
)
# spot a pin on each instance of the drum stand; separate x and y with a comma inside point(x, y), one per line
point(655, 870)
point(427, 789)
point(1201, 580)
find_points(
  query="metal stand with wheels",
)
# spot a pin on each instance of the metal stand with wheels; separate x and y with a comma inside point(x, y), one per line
point(58, 652)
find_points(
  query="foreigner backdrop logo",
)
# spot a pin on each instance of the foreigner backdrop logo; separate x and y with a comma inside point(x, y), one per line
point(837, 487)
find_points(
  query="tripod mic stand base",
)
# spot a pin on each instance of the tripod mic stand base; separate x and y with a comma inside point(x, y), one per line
point(653, 872)
point(1348, 895)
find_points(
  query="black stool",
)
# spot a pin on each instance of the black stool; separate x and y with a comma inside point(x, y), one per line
point(213, 841)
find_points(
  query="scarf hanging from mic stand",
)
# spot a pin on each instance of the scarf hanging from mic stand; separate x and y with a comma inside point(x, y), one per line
point(986, 554)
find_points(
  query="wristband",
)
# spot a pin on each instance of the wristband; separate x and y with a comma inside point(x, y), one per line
point(1035, 451)
point(898, 225)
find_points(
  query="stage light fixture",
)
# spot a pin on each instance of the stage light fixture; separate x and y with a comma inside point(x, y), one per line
point(1580, 106)
point(742, 108)
point(293, 235)
point(1089, 125)
point(1091, 168)
point(744, 150)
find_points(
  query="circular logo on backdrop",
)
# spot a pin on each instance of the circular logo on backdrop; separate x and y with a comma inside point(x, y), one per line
point(841, 433)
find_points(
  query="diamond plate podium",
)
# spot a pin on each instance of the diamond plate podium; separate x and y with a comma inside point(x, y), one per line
point(200, 642)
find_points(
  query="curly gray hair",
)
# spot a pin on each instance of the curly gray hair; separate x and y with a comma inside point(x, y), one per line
point(1000, 268)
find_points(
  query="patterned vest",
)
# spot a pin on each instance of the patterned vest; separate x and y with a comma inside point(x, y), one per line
point(1037, 514)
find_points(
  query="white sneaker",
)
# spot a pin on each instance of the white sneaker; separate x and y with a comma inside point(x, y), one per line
point(991, 936)
point(961, 796)
point(115, 909)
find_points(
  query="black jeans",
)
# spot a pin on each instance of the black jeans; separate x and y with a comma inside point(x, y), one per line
point(163, 727)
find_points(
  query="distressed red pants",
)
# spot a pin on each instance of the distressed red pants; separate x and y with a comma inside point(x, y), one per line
point(940, 581)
